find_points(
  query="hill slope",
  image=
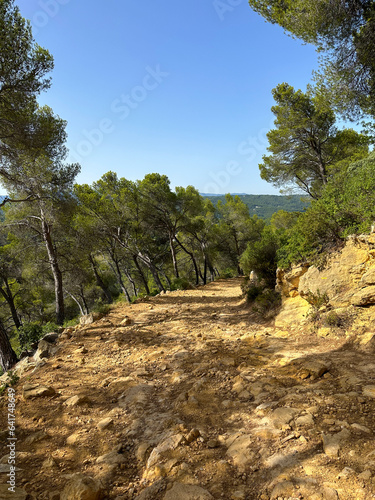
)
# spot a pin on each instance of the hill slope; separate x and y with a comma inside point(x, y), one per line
point(264, 205)
point(186, 396)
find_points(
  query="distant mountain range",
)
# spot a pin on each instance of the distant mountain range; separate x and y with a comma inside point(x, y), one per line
point(265, 205)
point(209, 195)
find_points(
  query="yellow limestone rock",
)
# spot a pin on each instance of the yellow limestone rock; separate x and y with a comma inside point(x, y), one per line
point(294, 311)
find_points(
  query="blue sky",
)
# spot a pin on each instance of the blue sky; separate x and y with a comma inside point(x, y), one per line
point(180, 88)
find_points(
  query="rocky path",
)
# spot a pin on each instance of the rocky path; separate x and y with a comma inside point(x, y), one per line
point(185, 397)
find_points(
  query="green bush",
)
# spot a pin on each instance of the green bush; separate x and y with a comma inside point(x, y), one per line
point(50, 327)
point(263, 299)
point(347, 206)
point(317, 300)
point(29, 334)
point(260, 256)
point(102, 308)
point(250, 290)
point(181, 284)
point(332, 319)
point(227, 273)
point(268, 300)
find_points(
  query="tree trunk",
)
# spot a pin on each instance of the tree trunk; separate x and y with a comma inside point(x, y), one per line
point(132, 282)
point(174, 257)
point(77, 302)
point(99, 281)
point(239, 270)
point(120, 280)
point(193, 260)
point(57, 275)
point(82, 295)
point(8, 296)
point(205, 271)
point(144, 281)
point(154, 271)
point(8, 357)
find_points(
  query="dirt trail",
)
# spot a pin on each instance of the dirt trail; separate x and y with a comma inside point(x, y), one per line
point(187, 389)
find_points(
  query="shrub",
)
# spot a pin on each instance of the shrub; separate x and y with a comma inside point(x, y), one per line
point(268, 300)
point(227, 273)
point(260, 257)
point(333, 319)
point(317, 300)
point(263, 299)
point(250, 290)
point(29, 334)
point(181, 284)
point(102, 308)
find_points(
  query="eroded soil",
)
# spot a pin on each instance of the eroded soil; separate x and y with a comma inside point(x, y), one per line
point(188, 387)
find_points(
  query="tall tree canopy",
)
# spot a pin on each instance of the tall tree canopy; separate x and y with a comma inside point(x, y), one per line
point(25, 128)
point(306, 147)
point(345, 31)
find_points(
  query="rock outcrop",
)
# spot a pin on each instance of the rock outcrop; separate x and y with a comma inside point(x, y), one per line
point(347, 279)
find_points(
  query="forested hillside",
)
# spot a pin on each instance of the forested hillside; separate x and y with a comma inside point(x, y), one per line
point(265, 205)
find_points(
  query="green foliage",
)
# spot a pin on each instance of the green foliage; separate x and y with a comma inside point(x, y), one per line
point(102, 308)
point(181, 284)
point(263, 299)
point(344, 33)
point(50, 327)
point(332, 319)
point(227, 273)
point(347, 206)
point(261, 257)
point(317, 300)
point(265, 205)
point(305, 146)
point(267, 301)
point(250, 290)
point(12, 379)
point(29, 334)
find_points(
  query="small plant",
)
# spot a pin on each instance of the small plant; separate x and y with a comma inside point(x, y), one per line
point(13, 378)
point(317, 300)
point(332, 319)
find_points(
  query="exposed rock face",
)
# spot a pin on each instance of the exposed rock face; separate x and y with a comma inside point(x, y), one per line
point(348, 278)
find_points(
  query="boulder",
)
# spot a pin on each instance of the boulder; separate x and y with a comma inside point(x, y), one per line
point(77, 400)
point(45, 350)
point(181, 491)
point(364, 297)
point(82, 487)
point(369, 277)
point(37, 391)
point(240, 449)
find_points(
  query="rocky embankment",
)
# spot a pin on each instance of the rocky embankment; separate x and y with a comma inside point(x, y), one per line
point(187, 396)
